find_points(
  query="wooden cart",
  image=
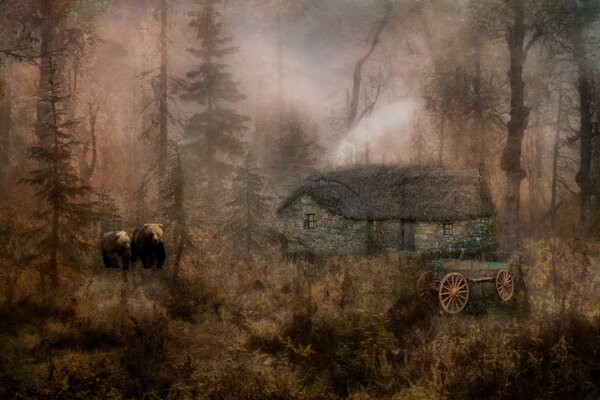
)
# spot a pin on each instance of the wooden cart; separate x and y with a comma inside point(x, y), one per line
point(450, 281)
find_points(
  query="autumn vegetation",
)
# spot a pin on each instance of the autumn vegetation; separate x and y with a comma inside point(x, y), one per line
point(115, 113)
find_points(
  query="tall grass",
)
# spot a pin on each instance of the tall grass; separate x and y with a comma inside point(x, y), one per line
point(277, 328)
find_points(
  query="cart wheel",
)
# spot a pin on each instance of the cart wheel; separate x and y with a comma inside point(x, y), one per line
point(454, 293)
point(425, 289)
point(504, 284)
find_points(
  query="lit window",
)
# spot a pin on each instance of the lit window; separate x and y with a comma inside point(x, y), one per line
point(448, 229)
point(310, 221)
point(375, 225)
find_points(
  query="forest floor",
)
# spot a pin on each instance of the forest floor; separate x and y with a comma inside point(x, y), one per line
point(341, 328)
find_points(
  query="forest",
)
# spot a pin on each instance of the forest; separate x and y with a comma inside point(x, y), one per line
point(194, 120)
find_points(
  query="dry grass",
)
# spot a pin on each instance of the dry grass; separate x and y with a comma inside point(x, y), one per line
point(293, 330)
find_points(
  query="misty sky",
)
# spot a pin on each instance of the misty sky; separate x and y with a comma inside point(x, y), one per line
point(321, 43)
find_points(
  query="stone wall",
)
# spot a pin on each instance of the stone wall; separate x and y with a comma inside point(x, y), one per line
point(470, 237)
point(338, 235)
point(389, 237)
point(334, 234)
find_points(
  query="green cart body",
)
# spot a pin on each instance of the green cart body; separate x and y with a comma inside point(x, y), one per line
point(450, 279)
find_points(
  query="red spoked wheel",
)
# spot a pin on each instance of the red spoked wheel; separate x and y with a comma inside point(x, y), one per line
point(425, 287)
point(504, 284)
point(453, 293)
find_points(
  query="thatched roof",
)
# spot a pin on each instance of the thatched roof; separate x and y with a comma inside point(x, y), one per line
point(399, 192)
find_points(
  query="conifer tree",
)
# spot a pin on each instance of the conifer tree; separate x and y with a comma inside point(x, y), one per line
point(296, 153)
point(295, 149)
point(173, 198)
point(246, 225)
point(108, 214)
point(212, 133)
point(65, 208)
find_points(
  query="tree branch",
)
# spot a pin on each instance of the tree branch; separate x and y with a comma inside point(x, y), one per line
point(379, 26)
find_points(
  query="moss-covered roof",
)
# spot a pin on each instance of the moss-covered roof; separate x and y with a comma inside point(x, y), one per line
point(399, 192)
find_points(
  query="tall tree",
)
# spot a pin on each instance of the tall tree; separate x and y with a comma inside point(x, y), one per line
point(583, 14)
point(573, 36)
point(173, 197)
point(294, 152)
point(213, 133)
point(47, 33)
point(520, 37)
point(461, 87)
point(163, 112)
point(87, 168)
point(66, 207)
point(246, 224)
point(555, 156)
point(5, 133)
point(354, 116)
point(156, 86)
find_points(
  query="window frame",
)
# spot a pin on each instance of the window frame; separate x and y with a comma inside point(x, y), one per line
point(310, 223)
point(448, 232)
point(375, 225)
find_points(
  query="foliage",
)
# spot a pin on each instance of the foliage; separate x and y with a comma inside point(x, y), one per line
point(108, 213)
point(216, 129)
point(278, 331)
point(296, 150)
point(246, 224)
point(64, 199)
point(173, 191)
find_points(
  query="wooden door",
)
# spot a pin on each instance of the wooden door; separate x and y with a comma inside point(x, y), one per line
point(408, 235)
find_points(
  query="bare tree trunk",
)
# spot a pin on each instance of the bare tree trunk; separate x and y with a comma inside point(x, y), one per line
point(357, 78)
point(478, 109)
point(511, 157)
point(180, 213)
point(583, 177)
point(534, 177)
point(519, 114)
point(248, 219)
point(442, 139)
point(86, 170)
point(56, 209)
point(5, 139)
point(44, 113)
point(280, 84)
point(537, 181)
point(163, 100)
point(555, 152)
point(178, 255)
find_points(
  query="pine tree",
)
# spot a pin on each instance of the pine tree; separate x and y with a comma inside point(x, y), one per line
point(163, 109)
point(295, 149)
point(108, 214)
point(212, 134)
point(246, 224)
point(296, 154)
point(65, 205)
point(173, 198)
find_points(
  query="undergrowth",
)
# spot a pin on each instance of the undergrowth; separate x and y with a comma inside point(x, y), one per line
point(290, 329)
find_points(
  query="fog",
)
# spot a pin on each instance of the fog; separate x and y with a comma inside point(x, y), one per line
point(225, 199)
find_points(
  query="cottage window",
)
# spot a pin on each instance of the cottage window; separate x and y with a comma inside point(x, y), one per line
point(310, 221)
point(375, 225)
point(448, 229)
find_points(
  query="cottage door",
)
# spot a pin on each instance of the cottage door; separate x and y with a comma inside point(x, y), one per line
point(408, 235)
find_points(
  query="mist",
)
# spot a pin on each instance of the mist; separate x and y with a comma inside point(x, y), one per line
point(226, 199)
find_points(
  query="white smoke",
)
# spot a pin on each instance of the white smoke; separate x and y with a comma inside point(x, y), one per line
point(391, 121)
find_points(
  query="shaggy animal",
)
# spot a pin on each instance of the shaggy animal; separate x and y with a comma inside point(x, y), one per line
point(116, 245)
point(148, 245)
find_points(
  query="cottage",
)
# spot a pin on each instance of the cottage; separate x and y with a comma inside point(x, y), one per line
point(437, 211)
